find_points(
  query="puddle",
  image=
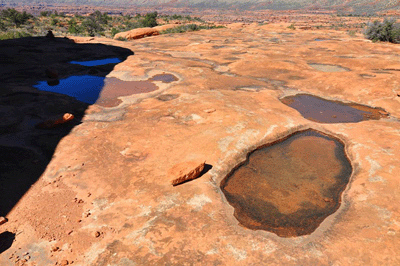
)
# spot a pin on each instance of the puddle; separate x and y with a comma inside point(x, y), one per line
point(367, 76)
point(389, 69)
point(296, 78)
point(98, 62)
point(328, 68)
point(382, 72)
point(321, 39)
point(167, 97)
point(345, 56)
point(84, 88)
point(324, 111)
point(114, 88)
point(102, 91)
point(290, 186)
point(385, 70)
point(165, 78)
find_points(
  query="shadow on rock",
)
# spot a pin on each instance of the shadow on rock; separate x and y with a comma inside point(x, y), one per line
point(6, 240)
point(32, 121)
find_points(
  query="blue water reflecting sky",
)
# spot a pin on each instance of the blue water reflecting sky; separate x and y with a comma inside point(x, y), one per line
point(98, 62)
point(84, 88)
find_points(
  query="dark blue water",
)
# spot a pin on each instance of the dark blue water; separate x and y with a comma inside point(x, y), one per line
point(98, 62)
point(83, 88)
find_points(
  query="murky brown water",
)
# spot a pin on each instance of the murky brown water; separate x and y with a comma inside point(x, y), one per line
point(324, 111)
point(289, 187)
point(114, 88)
point(166, 78)
point(167, 97)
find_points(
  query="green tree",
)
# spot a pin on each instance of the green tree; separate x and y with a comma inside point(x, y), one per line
point(386, 31)
point(150, 20)
point(2, 26)
point(91, 26)
point(45, 13)
point(54, 22)
point(114, 31)
point(101, 18)
point(16, 17)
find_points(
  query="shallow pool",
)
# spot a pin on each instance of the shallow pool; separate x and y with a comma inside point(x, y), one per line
point(100, 62)
point(290, 186)
point(84, 88)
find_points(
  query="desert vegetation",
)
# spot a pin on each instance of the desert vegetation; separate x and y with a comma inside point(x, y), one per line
point(15, 24)
point(386, 31)
point(190, 27)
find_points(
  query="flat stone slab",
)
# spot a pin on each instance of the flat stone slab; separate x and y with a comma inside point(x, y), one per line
point(185, 171)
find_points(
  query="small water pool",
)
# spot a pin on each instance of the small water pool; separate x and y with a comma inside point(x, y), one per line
point(326, 111)
point(165, 78)
point(100, 90)
point(84, 88)
point(290, 186)
point(100, 62)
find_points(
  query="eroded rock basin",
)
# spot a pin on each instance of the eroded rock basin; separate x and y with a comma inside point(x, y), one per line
point(165, 78)
point(290, 186)
point(328, 68)
point(325, 111)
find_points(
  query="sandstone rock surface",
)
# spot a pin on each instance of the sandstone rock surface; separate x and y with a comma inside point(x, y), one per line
point(120, 155)
point(143, 32)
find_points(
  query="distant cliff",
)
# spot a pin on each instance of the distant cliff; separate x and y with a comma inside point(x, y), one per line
point(355, 6)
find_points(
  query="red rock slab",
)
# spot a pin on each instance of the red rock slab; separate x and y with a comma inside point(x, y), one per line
point(143, 32)
point(186, 171)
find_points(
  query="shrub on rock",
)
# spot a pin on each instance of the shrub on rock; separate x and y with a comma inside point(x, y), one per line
point(386, 31)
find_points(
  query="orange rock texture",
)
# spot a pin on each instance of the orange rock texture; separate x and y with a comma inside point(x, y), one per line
point(143, 32)
point(185, 171)
point(108, 175)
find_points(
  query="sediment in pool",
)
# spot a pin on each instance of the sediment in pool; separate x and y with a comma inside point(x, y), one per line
point(328, 68)
point(165, 78)
point(290, 186)
point(321, 110)
point(114, 88)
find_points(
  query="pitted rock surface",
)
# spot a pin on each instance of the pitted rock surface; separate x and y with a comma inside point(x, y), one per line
point(106, 171)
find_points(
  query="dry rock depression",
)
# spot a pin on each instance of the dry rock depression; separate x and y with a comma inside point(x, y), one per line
point(160, 161)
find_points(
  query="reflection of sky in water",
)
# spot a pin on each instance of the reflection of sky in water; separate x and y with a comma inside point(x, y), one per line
point(84, 88)
point(97, 62)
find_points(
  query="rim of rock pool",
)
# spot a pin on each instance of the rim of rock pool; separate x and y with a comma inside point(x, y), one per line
point(326, 219)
